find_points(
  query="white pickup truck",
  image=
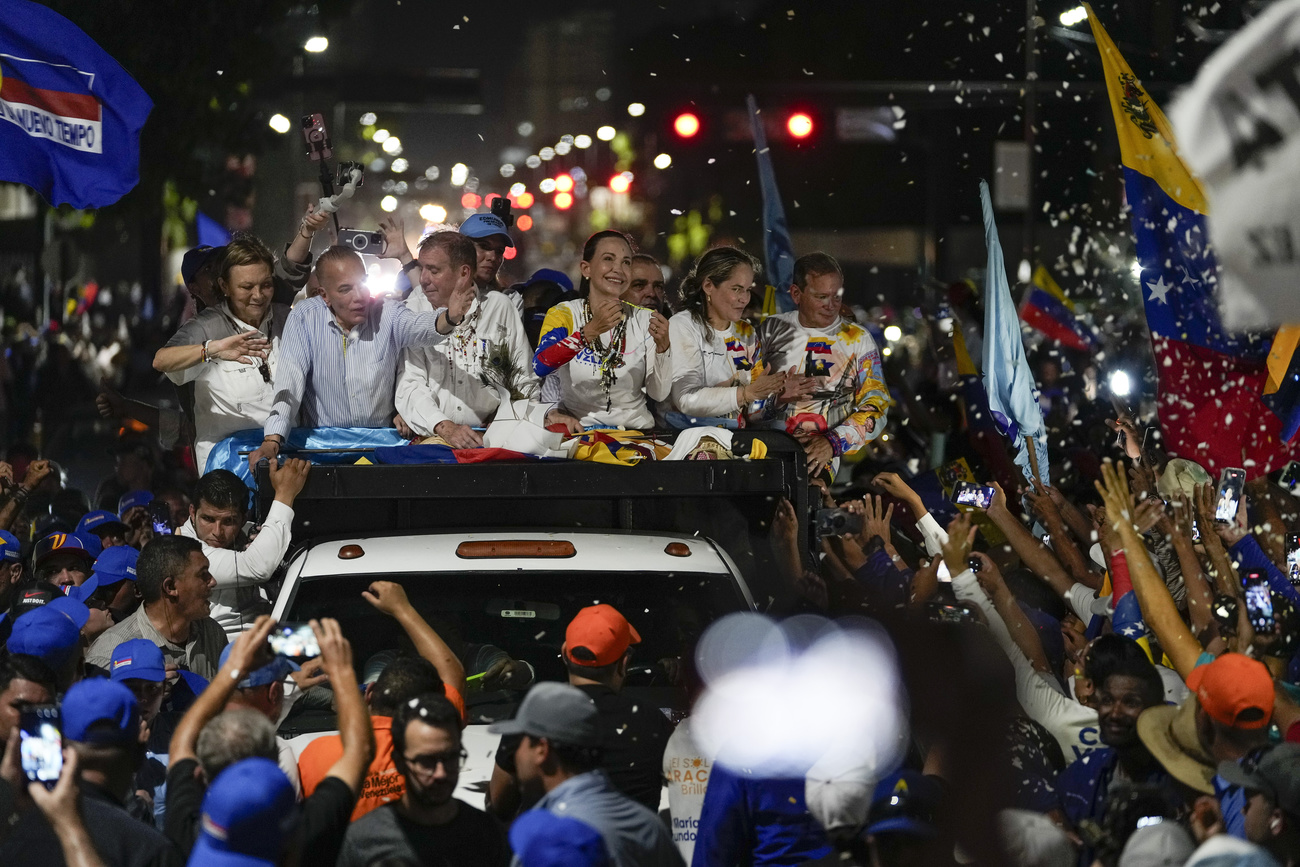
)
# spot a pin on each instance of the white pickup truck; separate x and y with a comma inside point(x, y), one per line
point(505, 554)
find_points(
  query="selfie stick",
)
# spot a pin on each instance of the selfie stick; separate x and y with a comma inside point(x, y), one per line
point(329, 203)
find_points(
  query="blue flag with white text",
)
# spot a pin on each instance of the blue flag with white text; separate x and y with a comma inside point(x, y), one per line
point(1008, 381)
point(70, 116)
point(778, 250)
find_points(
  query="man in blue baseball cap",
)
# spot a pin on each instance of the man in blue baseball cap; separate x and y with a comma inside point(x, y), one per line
point(138, 665)
point(491, 237)
point(107, 526)
point(248, 817)
point(11, 567)
point(63, 559)
point(53, 637)
point(102, 722)
point(262, 690)
point(197, 272)
point(112, 585)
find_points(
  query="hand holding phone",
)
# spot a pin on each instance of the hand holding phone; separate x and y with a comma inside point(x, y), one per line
point(1229, 499)
point(294, 641)
point(41, 743)
point(971, 494)
point(1259, 602)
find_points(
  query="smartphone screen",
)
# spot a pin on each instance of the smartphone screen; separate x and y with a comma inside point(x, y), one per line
point(1259, 603)
point(41, 744)
point(971, 494)
point(1230, 488)
point(943, 574)
point(1293, 558)
point(294, 641)
point(1196, 531)
point(1290, 478)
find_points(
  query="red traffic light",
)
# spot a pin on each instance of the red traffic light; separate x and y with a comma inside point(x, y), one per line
point(686, 125)
point(799, 125)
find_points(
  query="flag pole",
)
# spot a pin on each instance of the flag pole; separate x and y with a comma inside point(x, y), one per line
point(1033, 460)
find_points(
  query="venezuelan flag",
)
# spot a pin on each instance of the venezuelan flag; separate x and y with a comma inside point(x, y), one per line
point(1211, 382)
point(1282, 389)
point(1046, 308)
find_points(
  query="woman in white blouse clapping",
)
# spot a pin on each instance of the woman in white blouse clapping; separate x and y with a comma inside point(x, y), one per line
point(227, 353)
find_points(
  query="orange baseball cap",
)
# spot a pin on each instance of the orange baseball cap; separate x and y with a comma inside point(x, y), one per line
point(599, 635)
point(1234, 690)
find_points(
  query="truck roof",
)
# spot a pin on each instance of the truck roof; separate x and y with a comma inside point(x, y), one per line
point(593, 551)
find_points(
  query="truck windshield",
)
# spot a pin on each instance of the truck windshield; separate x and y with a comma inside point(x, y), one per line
point(525, 614)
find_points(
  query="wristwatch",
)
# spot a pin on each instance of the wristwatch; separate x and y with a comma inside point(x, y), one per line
point(414, 263)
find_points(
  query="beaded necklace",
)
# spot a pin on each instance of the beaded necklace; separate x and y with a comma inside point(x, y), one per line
point(463, 336)
point(611, 357)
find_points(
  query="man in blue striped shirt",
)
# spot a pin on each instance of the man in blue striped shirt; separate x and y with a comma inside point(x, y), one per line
point(339, 354)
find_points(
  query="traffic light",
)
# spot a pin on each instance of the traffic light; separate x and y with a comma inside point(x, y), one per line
point(799, 125)
point(686, 125)
point(620, 183)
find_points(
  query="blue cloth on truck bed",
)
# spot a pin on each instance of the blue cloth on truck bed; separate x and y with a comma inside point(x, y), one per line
point(225, 455)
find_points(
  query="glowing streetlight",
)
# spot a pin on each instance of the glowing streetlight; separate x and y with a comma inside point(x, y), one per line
point(280, 123)
point(388, 203)
point(606, 133)
point(636, 109)
point(433, 213)
point(663, 161)
point(316, 44)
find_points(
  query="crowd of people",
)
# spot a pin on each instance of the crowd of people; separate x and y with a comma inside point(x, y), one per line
point(1087, 681)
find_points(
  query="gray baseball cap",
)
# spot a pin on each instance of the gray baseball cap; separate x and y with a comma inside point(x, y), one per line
point(557, 712)
point(1272, 770)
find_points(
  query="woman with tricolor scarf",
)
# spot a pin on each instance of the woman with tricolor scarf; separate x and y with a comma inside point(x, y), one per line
point(608, 354)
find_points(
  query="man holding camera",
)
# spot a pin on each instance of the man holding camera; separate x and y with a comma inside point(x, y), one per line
point(339, 352)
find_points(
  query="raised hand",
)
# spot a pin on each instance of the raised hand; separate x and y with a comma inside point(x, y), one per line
point(605, 314)
point(875, 520)
point(247, 347)
point(961, 537)
point(659, 331)
point(388, 596)
point(394, 229)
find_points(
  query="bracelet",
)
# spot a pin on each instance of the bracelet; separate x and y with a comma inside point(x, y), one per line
point(414, 263)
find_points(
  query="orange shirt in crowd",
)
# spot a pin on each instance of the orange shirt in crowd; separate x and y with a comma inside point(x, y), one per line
point(382, 784)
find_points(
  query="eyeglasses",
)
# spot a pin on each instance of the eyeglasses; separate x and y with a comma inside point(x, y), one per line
point(431, 761)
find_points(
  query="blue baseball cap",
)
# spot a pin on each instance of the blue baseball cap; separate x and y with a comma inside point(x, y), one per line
point(485, 226)
point(137, 659)
point(542, 839)
point(276, 669)
point(115, 564)
point(74, 609)
point(101, 522)
point(195, 259)
point(11, 550)
point(61, 542)
point(904, 803)
point(47, 633)
point(549, 275)
point(93, 543)
point(98, 700)
point(248, 816)
point(131, 499)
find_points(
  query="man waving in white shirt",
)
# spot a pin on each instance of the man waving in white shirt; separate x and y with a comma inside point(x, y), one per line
point(450, 389)
point(217, 521)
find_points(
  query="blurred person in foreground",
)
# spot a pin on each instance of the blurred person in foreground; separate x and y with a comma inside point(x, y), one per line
point(1270, 778)
point(427, 825)
point(324, 814)
point(558, 761)
point(101, 721)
